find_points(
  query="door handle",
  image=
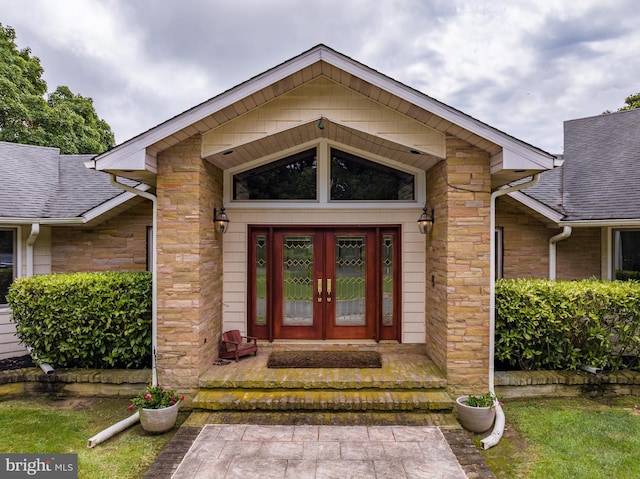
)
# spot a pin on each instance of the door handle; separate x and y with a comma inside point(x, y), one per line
point(320, 290)
point(328, 290)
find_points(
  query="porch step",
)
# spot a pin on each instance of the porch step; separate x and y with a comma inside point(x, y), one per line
point(323, 400)
point(407, 381)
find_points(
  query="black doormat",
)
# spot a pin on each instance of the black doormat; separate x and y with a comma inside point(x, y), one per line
point(324, 359)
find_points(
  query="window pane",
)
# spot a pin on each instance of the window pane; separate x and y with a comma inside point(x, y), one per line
point(291, 178)
point(350, 281)
point(387, 280)
point(7, 262)
point(261, 280)
point(354, 178)
point(627, 244)
point(298, 281)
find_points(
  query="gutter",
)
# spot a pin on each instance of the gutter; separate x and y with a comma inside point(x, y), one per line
point(498, 428)
point(566, 232)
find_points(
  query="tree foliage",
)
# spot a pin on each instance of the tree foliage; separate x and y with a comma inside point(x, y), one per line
point(631, 102)
point(64, 120)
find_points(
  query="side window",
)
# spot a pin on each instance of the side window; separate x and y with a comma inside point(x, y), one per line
point(7, 261)
point(626, 254)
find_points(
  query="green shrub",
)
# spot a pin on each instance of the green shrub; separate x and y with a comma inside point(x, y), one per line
point(6, 277)
point(85, 320)
point(624, 275)
point(542, 324)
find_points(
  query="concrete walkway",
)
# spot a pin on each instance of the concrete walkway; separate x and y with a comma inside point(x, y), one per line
point(226, 451)
point(320, 452)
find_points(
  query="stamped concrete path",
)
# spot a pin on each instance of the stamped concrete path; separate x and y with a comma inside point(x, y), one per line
point(321, 452)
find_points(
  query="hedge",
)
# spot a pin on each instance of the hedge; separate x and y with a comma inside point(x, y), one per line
point(85, 320)
point(542, 324)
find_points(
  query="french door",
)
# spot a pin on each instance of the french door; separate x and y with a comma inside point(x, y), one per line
point(324, 283)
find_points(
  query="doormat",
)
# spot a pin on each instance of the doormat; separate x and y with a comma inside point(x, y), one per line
point(324, 359)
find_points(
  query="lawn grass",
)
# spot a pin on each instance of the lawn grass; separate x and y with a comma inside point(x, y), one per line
point(32, 426)
point(569, 438)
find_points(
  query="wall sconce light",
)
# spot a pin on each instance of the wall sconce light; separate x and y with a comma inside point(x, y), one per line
point(425, 222)
point(220, 221)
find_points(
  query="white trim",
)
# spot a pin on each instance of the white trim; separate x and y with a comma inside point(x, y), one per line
point(549, 213)
point(133, 147)
point(323, 147)
point(620, 223)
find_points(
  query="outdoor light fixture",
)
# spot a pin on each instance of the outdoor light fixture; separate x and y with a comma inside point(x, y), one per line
point(425, 222)
point(320, 125)
point(221, 221)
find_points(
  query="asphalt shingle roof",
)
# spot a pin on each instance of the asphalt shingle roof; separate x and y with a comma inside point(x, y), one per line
point(600, 176)
point(39, 182)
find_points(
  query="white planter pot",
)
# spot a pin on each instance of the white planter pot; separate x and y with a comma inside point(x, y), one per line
point(475, 419)
point(159, 420)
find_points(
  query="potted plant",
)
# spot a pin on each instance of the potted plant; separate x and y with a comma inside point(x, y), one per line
point(476, 413)
point(158, 408)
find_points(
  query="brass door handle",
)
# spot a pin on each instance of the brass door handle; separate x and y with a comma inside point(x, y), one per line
point(320, 290)
point(328, 290)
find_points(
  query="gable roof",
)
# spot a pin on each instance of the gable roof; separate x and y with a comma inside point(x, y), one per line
point(136, 158)
point(41, 185)
point(600, 177)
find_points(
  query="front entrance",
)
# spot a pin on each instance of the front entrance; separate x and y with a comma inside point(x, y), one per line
point(324, 283)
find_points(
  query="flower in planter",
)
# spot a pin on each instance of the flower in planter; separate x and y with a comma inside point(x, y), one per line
point(486, 400)
point(155, 397)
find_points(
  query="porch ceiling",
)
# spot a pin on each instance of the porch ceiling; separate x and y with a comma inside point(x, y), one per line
point(309, 132)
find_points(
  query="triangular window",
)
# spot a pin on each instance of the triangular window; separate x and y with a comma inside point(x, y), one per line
point(291, 178)
point(354, 178)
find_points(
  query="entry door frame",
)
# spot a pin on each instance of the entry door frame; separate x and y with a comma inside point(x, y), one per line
point(381, 330)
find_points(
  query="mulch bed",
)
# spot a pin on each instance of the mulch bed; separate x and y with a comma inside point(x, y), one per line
point(324, 359)
point(16, 363)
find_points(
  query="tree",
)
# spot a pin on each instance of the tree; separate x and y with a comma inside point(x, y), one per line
point(64, 120)
point(631, 102)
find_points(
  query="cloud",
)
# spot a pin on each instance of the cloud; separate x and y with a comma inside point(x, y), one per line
point(523, 67)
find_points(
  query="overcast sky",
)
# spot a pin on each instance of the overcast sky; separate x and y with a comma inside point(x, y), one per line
point(522, 66)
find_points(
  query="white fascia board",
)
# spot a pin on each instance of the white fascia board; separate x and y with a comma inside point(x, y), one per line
point(533, 204)
point(43, 221)
point(132, 148)
point(620, 223)
point(113, 203)
point(522, 159)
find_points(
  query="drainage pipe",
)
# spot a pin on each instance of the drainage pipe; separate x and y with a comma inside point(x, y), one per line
point(35, 231)
point(498, 427)
point(566, 232)
point(133, 419)
point(113, 430)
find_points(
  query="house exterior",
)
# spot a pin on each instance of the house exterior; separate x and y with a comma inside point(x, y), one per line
point(56, 216)
point(582, 219)
point(323, 167)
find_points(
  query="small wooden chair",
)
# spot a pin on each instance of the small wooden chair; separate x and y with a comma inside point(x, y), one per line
point(235, 345)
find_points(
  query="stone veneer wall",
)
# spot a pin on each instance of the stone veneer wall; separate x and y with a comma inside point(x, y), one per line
point(458, 258)
point(526, 246)
point(119, 244)
point(189, 265)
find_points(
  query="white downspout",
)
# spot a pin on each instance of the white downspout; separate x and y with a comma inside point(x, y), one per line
point(566, 232)
point(133, 419)
point(35, 231)
point(498, 427)
point(154, 274)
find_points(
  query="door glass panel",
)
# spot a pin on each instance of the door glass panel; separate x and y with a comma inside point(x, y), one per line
point(350, 281)
point(387, 280)
point(261, 280)
point(298, 281)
